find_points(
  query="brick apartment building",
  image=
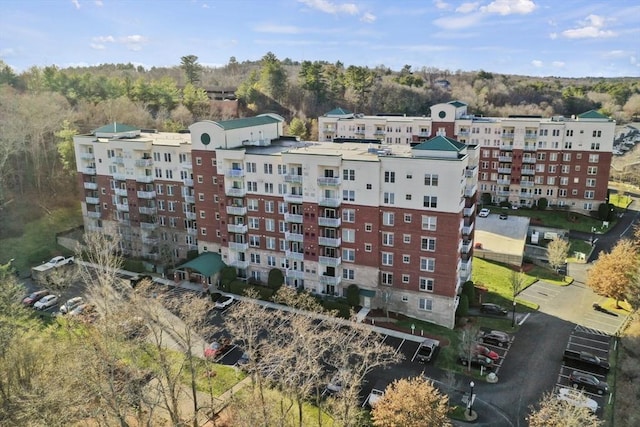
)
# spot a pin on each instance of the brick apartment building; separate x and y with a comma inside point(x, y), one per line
point(521, 158)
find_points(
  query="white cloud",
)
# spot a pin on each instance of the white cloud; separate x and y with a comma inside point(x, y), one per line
point(633, 60)
point(132, 42)
point(104, 39)
point(331, 7)
point(76, 3)
point(509, 7)
point(591, 27)
point(99, 3)
point(537, 63)
point(558, 64)
point(278, 29)
point(135, 38)
point(553, 36)
point(440, 4)
point(457, 22)
point(205, 6)
point(97, 46)
point(467, 7)
point(369, 18)
point(6, 52)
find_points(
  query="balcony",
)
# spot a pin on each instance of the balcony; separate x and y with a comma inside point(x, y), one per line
point(122, 207)
point(530, 136)
point(144, 163)
point(465, 267)
point(148, 225)
point(192, 247)
point(90, 185)
point(294, 274)
point(330, 261)
point(144, 179)
point(329, 222)
point(237, 246)
point(528, 171)
point(237, 228)
point(187, 182)
point(148, 210)
point(186, 165)
point(329, 241)
point(89, 171)
point(463, 132)
point(424, 133)
point(293, 198)
point(530, 147)
point(528, 184)
point(505, 170)
point(289, 217)
point(503, 193)
point(152, 256)
point(190, 215)
point(146, 194)
point(359, 132)
point(192, 231)
point(330, 182)
point(328, 129)
point(93, 214)
point(117, 160)
point(87, 156)
point(150, 240)
point(471, 172)
point(330, 280)
point(234, 173)
point(293, 237)
point(465, 248)
point(470, 190)
point(526, 195)
point(507, 135)
point(237, 210)
point(469, 211)
point(123, 221)
point(189, 199)
point(506, 159)
point(242, 265)
point(92, 200)
point(330, 202)
point(506, 147)
point(120, 192)
point(236, 192)
point(295, 179)
point(467, 229)
point(119, 177)
point(379, 132)
point(528, 160)
point(503, 181)
point(298, 256)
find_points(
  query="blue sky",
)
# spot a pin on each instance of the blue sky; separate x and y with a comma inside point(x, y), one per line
point(530, 37)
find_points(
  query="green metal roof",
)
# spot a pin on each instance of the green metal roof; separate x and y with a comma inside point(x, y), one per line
point(248, 122)
point(115, 128)
point(457, 104)
point(338, 112)
point(441, 143)
point(592, 114)
point(207, 264)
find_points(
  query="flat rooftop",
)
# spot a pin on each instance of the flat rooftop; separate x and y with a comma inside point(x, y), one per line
point(507, 236)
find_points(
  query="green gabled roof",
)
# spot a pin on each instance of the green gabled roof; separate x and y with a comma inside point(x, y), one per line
point(115, 128)
point(592, 114)
point(248, 122)
point(457, 104)
point(207, 264)
point(338, 112)
point(441, 143)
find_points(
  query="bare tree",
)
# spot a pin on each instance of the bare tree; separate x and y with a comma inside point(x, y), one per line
point(468, 342)
point(554, 412)
point(557, 252)
point(518, 280)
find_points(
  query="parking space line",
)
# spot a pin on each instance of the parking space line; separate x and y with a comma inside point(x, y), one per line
point(572, 340)
point(398, 349)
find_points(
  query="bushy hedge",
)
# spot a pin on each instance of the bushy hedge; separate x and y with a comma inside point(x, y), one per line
point(353, 295)
point(463, 306)
point(134, 265)
point(341, 307)
point(238, 287)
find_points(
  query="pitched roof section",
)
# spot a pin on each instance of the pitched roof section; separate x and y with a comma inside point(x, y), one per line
point(247, 122)
point(207, 264)
point(458, 104)
point(338, 112)
point(592, 114)
point(115, 128)
point(441, 143)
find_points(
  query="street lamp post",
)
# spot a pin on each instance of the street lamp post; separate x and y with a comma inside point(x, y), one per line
point(471, 384)
point(513, 317)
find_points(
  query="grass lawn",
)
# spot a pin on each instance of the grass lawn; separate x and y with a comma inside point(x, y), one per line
point(38, 243)
point(558, 219)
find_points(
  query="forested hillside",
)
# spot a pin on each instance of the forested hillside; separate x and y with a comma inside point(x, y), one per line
point(42, 108)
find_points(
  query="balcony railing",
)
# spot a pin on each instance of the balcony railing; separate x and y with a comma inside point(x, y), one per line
point(188, 198)
point(150, 240)
point(329, 241)
point(507, 159)
point(470, 190)
point(190, 215)
point(237, 228)
point(234, 173)
point(120, 192)
point(469, 211)
point(117, 160)
point(146, 194)
point(289, 217)
point(89, 171)
point(147, 210)
point(330, 280)
point(293, 237)
point(526, 195)
point(237, 246)
point(295, 274)
point(359, 132)
point(330, 261)
point(192, 231)
point(530, 147)
point(503, 193)
point(148, 225)
point(527, 183)
point(328, 129)
point(90, 185)
point(293, 198)
point(463, 133)
point(507, 134)
point(466, 247)
point(239, 264)
point(503, 181)
point(87, 156)
point(92, 200)
point(528, 160)
point(123, 221)
point(330, 202)
point(329, 222)
point(504, 170)
point(153, 256)
point(119, 177)
point(299, 256)
point(187, 182)
point(528, 136)
point(467, 229)
point(122, 207)
point(528, 171)
point(144, 163)
point(471, 172)
point(237, 210)
point(327, 181)
point(93, 214)
point(465, 266)
point(186, 165)
point(297, 179)
point(145, 179)
point(236, 192)
point(506, 147)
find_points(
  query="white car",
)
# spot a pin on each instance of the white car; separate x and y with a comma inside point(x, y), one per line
point(46, 302)
point(71, 304)
point(224, 302)
point(484, 213)
point(374, 397)
point(577, 398)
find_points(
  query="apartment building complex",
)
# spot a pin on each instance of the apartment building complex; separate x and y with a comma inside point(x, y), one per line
point(522, 158)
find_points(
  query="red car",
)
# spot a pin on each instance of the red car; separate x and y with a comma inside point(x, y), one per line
point(34, 297)
point(484, 351)
point(217, 348)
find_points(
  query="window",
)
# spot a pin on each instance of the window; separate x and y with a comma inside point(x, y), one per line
point(406, 259)
point(254, 241)
point(348, 235)
point(387, 258)
point(271, 243)
point(589, 194)
point(203, 231)
point(594, 158)
point(252, 186)
point(430, 202)
point(566, 157)
point(160, 189)
point(254, 223)
point(282, 226)
point(271, 260)
point(566, 169)
point(282, 188)
point(252, 204)
point(348, 255)
point(251, 167)
point(202, 214)
point(427, 264)
point(269, 206)
point(282, 169)
point(431, 179)
point(282, 208)
point(387, 239)
point(429, 222)
point(255, 258)
point(389, 176)
point(386, 278)
point(552, 168)
point(407, 218)
point(368, 227)
point(349, 215)
point(564, 180)
point(369, 187)
point(551, 180)
point(407, 196)
point(167, 157)
point(348, 195)
point(428, 244)
point(172, 206)
point(406, 238)
point(388, 218)
point(426, 284)
point(368, 247)
point(268, 168)
point(595, 145)
point(268, 187)
point(348, 274)
point(170, 189)
point(406, 278)
point(592, 170)
point(269, 224)
point(201, 197)
point(389, 198)
point(425, 304)
point(198, 161)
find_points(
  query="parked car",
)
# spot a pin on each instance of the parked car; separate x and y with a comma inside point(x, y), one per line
point(504, 216)
point(374, 397)
point(486, 352)
point(217, 348)
point(491, 308)
point(34, 297)
point(224, 302)
point(244, 359)
point(577, 398)
point(46, 302)
point(477, 360)
point(84, 310)
point(71, 304)
point(484, 213)
point(499, 338)
point(427, 350)
point(335, 385)
point(588, 382)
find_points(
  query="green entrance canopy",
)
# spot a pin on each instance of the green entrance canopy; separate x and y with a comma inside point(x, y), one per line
point(207, 264)
point(367, 293)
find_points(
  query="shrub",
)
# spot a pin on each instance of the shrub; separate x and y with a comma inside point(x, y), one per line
point(192, 254)
point(468, 289)
point(134, 265)
point(276, 279)
point(463, 306)
point(353, 295)
point(227, 275)
point(604, 211)
point(341, 307)
point(486, 198)
point(542, 203)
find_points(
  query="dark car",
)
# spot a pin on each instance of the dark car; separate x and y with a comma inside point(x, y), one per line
point(499, 338)
point(477, 360)
point(493, 309)
point(588, 382)
point(427, 350)
point(504, 216)
point(34, 297)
